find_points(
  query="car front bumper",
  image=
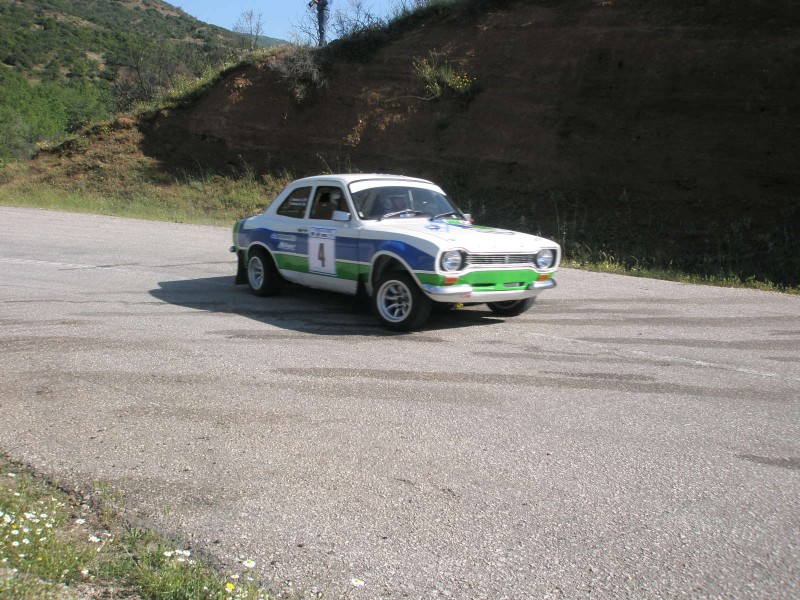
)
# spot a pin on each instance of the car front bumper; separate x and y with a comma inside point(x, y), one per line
point(467, 294)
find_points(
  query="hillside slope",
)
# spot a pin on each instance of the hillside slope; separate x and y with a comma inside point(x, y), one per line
point(64, 63)
point(80, 37)
point(664, 133)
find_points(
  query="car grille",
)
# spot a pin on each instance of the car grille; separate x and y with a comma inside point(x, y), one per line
point(489, 260)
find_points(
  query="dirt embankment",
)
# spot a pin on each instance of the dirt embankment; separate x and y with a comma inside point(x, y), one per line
point(659, 131)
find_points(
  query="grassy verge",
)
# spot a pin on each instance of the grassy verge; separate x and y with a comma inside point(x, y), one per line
point(191, 198)
point(609, 266)
point(177, 205)
point(52, 546)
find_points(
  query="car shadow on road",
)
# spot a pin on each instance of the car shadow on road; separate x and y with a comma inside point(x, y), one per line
point(302, 309)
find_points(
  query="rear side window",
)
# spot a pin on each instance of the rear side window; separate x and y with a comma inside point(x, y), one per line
point(295, 204)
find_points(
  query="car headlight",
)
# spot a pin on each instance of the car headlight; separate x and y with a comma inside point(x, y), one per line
point(452, 260)
point(545, 259)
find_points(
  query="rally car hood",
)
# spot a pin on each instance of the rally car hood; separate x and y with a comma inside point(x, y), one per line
point(473, 238)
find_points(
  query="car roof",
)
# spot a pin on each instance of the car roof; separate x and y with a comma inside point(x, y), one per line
point(348, 178)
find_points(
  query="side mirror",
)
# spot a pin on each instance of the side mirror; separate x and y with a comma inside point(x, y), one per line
point(341, 215)
point(468, 217)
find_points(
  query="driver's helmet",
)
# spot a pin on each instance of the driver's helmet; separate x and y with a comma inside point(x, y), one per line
point(398, 202)
point(338, 201)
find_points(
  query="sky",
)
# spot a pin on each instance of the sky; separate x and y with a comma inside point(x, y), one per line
point(280, 16)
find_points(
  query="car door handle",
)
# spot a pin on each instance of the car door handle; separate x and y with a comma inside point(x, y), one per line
point(302, 230)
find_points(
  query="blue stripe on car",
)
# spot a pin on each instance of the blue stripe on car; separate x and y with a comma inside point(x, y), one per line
point(347, 248)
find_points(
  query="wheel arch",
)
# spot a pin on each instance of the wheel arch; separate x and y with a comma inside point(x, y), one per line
point(386, 261)
point(246, 253)
point(243, 257)
point(257, 246)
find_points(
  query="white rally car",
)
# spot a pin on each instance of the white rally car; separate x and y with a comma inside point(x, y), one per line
point(398, 240)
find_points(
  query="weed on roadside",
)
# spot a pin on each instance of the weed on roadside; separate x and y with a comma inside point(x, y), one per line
point(52, 546)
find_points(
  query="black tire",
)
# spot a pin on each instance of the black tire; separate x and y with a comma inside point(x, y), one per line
point(262, 274)
point(510, 308)
point(398, 302)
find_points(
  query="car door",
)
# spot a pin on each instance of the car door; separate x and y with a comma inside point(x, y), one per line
point(287, 233)
point(332, 241)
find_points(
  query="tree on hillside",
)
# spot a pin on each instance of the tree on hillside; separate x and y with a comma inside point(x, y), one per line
point(17, 135)
point(30, 112)
point(66, 63)
point(356, 16)
point(146, 70)
point(251, 27)
point(349, 18)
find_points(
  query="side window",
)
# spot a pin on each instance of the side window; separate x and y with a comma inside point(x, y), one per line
point(295, 204)
point(326, 200)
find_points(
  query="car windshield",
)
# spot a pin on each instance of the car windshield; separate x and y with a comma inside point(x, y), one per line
point(385, 201)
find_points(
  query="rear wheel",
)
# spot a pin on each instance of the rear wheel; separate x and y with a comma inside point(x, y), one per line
point(262, 274)
point(398, 302)
point(511, 308)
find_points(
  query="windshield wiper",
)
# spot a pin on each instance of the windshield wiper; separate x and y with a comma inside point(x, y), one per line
point(397, 213)
point(454, 213)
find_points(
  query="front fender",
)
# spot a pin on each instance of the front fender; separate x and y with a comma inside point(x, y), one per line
point(412, 257)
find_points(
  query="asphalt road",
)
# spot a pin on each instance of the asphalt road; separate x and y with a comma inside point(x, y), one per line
point(625, 438)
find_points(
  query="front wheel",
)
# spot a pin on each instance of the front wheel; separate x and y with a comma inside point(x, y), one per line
point(398, 302)
point(262, 274)
point(510, 308)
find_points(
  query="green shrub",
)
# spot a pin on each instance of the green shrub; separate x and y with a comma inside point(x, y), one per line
point(442, 79)
point(301, 70)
